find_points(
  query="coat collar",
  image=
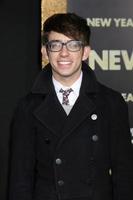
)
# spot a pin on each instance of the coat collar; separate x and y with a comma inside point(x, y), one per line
point(44, 85)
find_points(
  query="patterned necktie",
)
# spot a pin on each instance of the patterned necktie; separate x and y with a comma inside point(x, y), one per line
point(65, 94)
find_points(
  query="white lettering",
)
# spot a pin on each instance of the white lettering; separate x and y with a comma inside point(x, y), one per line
point(129, 22)
point(95, 58)
point(97, 22)
point(117, 21)
point(128, 61)
point(128, 97)
point(123, 22)
point(107, 22)
point(114, 59)
point(111, 60)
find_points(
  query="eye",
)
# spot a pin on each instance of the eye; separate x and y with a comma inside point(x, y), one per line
point(55, 44)
point(74, 45)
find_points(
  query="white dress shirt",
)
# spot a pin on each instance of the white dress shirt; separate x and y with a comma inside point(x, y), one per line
point(73, 95)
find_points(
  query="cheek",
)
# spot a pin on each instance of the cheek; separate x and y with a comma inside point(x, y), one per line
point(52, 56)
point(78, 58)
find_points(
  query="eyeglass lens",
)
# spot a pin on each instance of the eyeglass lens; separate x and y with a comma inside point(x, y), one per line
point(57, 45)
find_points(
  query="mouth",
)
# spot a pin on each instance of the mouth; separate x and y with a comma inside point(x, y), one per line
point(64, 62)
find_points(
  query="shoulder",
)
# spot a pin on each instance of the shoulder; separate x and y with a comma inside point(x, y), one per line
point(27, 104)
point(41, 87)
point(113, 98)
point(109, 92)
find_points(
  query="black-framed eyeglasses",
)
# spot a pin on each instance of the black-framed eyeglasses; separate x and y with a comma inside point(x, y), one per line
point(57, 45)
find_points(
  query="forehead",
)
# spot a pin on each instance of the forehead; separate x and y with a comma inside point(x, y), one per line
point(58, 36)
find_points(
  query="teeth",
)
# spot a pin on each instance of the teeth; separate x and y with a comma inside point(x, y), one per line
point(64, 62)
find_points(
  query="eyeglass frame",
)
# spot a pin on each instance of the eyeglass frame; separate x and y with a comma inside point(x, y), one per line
point(64, 44)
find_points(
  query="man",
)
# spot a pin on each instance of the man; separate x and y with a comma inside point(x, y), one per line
point(70, 135)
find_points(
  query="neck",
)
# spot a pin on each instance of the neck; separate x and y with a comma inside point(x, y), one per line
point(67, 81)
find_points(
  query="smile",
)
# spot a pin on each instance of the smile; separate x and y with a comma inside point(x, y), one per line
point(64, 62)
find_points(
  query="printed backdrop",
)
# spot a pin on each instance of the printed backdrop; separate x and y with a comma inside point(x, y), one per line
point(111, 25)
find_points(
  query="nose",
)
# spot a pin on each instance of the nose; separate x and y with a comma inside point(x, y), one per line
point(64, 52)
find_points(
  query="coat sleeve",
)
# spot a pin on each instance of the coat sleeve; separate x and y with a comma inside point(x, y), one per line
point(22, 159)
point(121, 151)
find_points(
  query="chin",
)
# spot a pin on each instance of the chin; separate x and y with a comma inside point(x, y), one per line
point(65, 75)
point(64, 72)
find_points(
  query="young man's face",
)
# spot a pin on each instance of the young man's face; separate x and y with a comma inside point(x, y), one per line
point(66, 65)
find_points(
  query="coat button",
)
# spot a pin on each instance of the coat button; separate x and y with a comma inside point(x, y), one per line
point(60, 182)
point(58, 161)
point(95, 138)
point(47, 140)
point(110, 172)
point(93, 116)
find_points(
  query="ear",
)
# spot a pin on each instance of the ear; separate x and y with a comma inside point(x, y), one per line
point(44, 53)
point(86, 52)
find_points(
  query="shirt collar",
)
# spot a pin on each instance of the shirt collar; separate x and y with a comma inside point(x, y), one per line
point(75, 86)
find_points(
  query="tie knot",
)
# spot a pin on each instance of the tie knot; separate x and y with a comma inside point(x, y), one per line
point(65, 94)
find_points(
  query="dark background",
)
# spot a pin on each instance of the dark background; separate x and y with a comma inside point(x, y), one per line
point(19, 63)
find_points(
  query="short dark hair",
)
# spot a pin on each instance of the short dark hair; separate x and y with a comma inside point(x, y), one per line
point(69, 24)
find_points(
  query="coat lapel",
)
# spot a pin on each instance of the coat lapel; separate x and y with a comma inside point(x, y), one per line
point(85, 104)
point(82, 109)
point(51, 114)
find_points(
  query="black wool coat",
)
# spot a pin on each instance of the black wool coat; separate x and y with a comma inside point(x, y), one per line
point(86, 155)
